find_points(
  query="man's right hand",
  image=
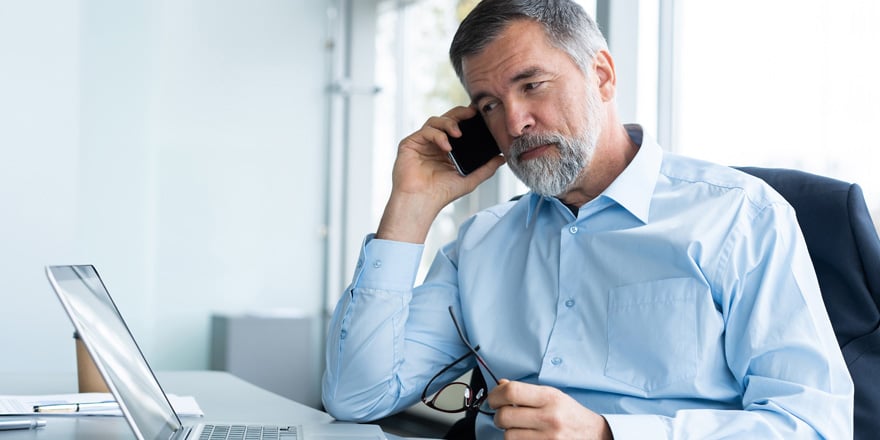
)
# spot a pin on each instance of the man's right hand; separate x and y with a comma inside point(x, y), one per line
point(424, 180)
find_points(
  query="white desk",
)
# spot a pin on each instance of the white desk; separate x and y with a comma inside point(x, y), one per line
point(222, 396)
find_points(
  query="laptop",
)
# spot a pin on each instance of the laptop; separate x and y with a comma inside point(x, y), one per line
point(143, 402)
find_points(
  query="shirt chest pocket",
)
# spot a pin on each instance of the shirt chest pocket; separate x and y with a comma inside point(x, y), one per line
point(652, 333)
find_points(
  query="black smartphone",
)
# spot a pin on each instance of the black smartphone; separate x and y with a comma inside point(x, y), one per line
point(474, 147)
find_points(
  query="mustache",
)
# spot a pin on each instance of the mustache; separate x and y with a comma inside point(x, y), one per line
point(527, 142)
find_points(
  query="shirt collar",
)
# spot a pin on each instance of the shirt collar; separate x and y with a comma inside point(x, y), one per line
point(634, 187)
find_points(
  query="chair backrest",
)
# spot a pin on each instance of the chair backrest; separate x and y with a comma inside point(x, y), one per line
point(845, 251)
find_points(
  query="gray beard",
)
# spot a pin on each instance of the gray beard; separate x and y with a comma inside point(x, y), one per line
point(549, 175)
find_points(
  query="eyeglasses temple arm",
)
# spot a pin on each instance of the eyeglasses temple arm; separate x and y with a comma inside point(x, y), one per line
point(468, 344)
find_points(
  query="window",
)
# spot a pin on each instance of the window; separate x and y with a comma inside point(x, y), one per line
point(781, 84)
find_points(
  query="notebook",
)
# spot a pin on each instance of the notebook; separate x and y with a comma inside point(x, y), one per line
point(143, 402)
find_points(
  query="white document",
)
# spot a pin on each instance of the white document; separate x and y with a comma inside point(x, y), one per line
point(24, 405)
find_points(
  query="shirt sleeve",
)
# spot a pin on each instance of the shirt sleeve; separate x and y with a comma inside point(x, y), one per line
point(383, 343)
point(779, 345)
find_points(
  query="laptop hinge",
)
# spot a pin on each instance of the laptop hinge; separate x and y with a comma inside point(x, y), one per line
point(182, 433)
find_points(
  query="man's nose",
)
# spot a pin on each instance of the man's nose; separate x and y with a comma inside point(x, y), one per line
point(519, 119)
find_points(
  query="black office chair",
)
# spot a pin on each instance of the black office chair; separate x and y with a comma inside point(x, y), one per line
point(845, 251)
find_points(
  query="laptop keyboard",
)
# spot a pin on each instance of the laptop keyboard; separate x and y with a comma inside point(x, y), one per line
point(247, 432)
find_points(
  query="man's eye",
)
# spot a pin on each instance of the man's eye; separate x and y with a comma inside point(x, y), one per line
point(488, 107)
point(533, 85)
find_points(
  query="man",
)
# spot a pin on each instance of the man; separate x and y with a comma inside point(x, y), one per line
point(632, 294)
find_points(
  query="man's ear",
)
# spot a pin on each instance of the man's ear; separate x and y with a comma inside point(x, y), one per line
point(603, 66)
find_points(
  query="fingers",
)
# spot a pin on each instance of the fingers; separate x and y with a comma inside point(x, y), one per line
point(422, 157)
point(520, 394)
point(437, 128)
point(534, 411)
point(424, 179)
point(451, 118)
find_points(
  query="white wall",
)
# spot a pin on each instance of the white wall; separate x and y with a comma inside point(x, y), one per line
point(39, 169)
point(179, 146)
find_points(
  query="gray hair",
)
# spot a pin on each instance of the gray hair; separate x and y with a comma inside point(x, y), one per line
point(568, 28)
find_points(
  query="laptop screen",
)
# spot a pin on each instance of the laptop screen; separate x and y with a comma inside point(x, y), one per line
point(114, 350)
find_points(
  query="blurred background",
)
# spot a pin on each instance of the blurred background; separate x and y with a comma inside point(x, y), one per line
point(225, 158)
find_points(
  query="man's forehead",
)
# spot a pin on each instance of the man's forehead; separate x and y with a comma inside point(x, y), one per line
point(506, 52)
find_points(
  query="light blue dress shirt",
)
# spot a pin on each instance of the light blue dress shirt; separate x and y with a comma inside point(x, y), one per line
point(680, 304)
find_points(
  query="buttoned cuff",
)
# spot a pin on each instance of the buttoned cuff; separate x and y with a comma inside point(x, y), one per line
point(387, 265)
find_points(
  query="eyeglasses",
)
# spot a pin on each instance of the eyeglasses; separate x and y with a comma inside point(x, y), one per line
point(459, 396)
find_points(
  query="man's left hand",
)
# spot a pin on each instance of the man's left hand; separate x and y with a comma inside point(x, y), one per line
point(527, 411)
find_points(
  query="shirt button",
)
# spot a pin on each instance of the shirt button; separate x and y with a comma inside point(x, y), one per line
point(569, 303)
point(556, 361)
point(573, 229)
point(377, 264)
point(343, 334)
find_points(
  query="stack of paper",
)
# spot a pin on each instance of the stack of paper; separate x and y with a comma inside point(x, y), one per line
point(24, 405)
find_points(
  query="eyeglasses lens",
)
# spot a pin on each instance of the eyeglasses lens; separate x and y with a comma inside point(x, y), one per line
point(454, 397)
